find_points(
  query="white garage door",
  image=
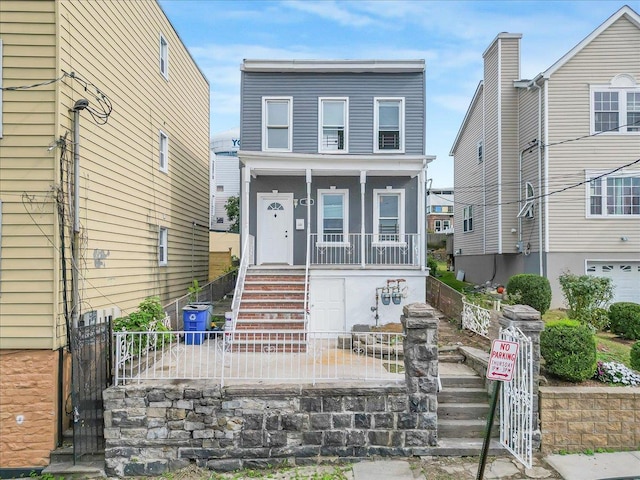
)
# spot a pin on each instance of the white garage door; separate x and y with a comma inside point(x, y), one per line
point(625, 276)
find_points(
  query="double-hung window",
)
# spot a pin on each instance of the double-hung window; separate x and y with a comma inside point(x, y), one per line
point(163, 246)
point(388, 215)
point(441, 225)
point(164, 57)
point(277, 113)
point(467, 218)
point(333, 215)
point(613, 195)
point(163, 158)
point(480, 150)
point(615, 108)
point(333, 125)
point(389, 125)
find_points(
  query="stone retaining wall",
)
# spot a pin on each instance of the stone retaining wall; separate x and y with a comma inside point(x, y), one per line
point(575, 419)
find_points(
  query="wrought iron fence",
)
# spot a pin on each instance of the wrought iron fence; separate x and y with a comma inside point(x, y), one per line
point(258, 356)
point(476, 319)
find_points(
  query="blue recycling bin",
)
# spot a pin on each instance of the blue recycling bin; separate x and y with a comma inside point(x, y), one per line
point(194, 318)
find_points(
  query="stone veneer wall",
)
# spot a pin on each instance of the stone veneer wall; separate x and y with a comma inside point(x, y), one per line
point(29, 392)
point(575, 419)
point(155, 428)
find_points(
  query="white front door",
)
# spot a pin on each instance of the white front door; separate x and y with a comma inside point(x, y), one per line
point(326, 302)
point(275, 228)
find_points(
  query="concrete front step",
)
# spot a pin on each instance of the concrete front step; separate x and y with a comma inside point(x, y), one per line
point(462, 411)
point(462, 395)
point(473, 429)
point(269, 324)
point(273, 295)
point(461, 381)
point(461, 447)
point(271, 304)
point(85, 469)
point(451, 357)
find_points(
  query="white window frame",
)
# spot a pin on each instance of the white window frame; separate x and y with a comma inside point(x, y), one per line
point(604, 196)
point(441, 225)
point(480, 151)
point(163, 61)
point(345, 126)
point(345, 215)
point(527, 210)
point(467, 219)
point(376, 125)
point(622, 91)
point(163, 152)
point(163, 246)
point(289, 127)
point(377, 192)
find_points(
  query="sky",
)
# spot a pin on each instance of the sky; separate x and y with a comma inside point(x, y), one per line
point(450, 36)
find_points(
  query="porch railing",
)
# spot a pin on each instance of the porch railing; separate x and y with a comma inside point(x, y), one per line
point(365, 250)
point(246, 260)
point(265, 356)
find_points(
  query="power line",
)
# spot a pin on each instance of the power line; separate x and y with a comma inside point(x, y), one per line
point(36, 85)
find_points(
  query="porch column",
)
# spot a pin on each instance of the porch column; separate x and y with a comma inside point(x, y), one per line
point(308, 178)
point(422, 229)
point(363, 237)
point(246, 177)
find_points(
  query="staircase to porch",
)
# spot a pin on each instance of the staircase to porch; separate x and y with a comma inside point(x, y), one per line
point(271, 315)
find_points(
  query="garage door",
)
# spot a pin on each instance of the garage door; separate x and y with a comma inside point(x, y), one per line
point(625, 276)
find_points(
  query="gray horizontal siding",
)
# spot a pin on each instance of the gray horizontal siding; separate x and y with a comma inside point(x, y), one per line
point(305, 88)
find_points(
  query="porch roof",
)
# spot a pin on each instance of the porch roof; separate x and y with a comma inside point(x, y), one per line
point(293, 164)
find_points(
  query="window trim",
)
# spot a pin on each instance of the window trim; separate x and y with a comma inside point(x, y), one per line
point(163, 246)
point(376, 121)
point(467, 219)
point(345, 101)
point(622, 91)
point(265, 101)
point(163, 151)
point(345, 215)
point(480, 151)
point(163, 57)
point(603, 194)
point(376, 216)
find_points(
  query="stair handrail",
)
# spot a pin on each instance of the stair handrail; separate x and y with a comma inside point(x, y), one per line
point(245, 261)
point(306, 267)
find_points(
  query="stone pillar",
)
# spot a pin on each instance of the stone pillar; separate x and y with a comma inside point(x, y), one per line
point(420, 347)
point(528, 320)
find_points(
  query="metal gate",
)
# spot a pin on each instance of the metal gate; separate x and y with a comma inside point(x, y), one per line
point(516, 403)
point(91, 374)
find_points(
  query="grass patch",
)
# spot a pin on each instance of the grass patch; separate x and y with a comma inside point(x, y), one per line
point(394, 367)
point(449, 278)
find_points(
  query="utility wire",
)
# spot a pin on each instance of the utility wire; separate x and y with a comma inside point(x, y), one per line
point(36, 85)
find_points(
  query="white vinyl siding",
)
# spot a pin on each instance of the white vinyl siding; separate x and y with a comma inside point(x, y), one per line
point(163, 152)
point(388, 125)
point(1, 88)
point(277, 114)
point(164, 57)
point(388, 215)
point(333, 125)
point(333, 215)
point(163, 246)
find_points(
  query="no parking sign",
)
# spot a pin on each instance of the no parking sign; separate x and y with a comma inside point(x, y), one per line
point(502, 360)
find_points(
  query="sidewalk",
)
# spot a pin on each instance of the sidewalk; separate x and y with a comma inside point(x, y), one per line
point(597, 466)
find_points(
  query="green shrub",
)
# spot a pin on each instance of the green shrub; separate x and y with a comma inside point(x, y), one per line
point(569, 350)
point(635, 356)
point(148, 316)
point(432, 264)
point(625, 319)
point(587, 297)
point(530, 289)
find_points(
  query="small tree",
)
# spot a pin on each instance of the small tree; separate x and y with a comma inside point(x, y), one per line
point(587, 298)
point(232, 208)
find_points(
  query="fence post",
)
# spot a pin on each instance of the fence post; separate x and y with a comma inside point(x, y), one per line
point(420, 347)
point(529, 321)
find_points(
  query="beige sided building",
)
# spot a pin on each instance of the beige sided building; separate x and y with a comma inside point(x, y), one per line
point(143, 189)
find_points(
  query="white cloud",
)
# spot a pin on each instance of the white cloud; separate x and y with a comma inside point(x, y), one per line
point(331, 10)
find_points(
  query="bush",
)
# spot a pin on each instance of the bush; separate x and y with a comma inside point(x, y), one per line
point(625, 319)
point(587, 297)
point(530, 289)
point(635, 356)
point(569, 350)
point(147, 318)
point(432, 264)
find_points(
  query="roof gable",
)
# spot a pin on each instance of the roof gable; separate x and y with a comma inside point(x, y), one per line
point(625, 11)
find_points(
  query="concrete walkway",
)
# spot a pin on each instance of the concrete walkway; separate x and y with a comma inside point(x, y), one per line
point(597, 466)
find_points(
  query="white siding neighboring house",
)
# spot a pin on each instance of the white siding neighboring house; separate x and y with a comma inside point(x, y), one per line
point(555, 162)
point(224, 176)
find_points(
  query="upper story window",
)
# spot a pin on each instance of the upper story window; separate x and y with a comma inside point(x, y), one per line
point(163, 246)
point(389, 125)
point(163, 159)
point(333, 215)
point(467, 218)
point(480, 151)
point(277, 113)
point(527, 208)
point(614, 195)
point(441, 225)
point(333, 125)
point(164, 57)
point(388, 215)
point(615, 108)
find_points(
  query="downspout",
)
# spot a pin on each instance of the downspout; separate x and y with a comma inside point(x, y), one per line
point(540, 264)
point(244, 204)
point(546, 170)
point(484, 179)
point(499, 147)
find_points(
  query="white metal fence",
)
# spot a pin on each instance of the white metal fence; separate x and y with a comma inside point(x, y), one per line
point(258, 356)
point(476, 319)
point(367, 249)
point(516, 405)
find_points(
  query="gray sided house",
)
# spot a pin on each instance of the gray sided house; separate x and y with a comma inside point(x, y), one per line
point(333, 182)
point(546, 170)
